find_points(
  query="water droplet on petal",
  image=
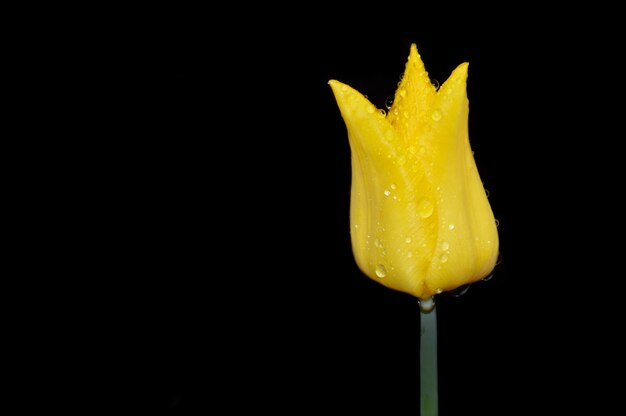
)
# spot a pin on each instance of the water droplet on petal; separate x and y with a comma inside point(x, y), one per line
point(387, 192)
point(377, 243)
point(389, 102)
point(443, 258)
point(445, 245)
point(487, 192)
point(381, 271)
point(451, 226)
point(393, 186)
point(407, 240)
point(382, 112)
point(497, 223)
point(425, 208)
point(488, 278)
point(436, 115)
point(460, 291)
point(499, 259)
point(370, 109)
point(439, 290)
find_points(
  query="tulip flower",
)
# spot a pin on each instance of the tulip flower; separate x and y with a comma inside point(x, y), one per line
point(420, 220)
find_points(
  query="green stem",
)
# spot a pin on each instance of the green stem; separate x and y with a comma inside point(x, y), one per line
point(429, 397)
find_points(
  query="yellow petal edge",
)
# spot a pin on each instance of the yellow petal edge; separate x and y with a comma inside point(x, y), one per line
point(420, 220)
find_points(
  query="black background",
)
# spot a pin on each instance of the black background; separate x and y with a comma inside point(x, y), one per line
point(226, 277)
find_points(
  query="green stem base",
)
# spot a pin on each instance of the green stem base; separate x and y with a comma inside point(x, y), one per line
point(429, 396)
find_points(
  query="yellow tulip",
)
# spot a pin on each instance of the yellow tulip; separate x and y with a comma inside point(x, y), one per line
point(420, 220)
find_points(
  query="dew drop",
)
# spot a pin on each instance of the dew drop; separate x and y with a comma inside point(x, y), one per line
point(427, 305)
point(499, 260)
point(377, 243)
point(451, 227)
point(487, 192)
point(381, 271)
point(445, 245)
point(387, 192)
point(407, 240)
point(382, 112)
point(435, 84)
point(488, 278)
point(439, 290)
point(402, 92)
point(436, 115)
point(460, 291)
point(497, 223)
point(389, 102)
point(370, 109)
point(394, 186)
point(425, 208)
point(443, 258)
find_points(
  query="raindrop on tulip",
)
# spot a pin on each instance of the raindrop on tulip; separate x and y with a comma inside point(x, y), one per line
point(436, 115)
point(460, 291)
point(427, 305)
point(381, 271)
point(425, 208)
point(445, 245)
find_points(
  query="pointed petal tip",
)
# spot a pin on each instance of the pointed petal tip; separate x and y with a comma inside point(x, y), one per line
point(460, 72)
point(457, 80)
point(336, 85)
